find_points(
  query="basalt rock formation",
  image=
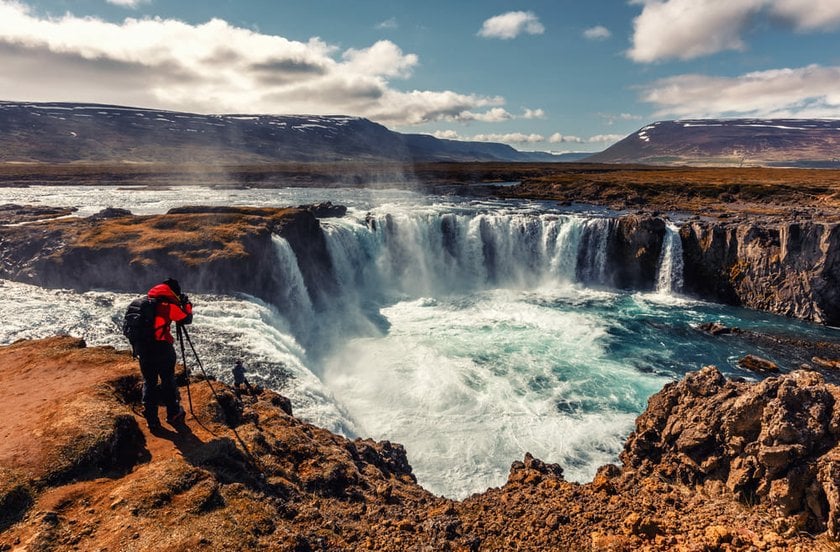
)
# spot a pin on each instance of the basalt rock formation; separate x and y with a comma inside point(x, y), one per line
point(776, 442)
point(635, 245)
point(213, 249)
point(712, 465)
point(788, 268)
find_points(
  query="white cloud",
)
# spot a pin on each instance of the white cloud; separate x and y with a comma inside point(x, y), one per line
point(598, 32)
point(511, 24)
point(389, 24)
point(533, 114)
point(211, 68)
point(493, 115)
point(128, 3)
point(446, 135)
point(510, 138)
point(808, 15)
point(558, 138)
point(524, 138)
point(383, 58)
point(688, 29)
point(605, 138)
point(611, 118)
point(812, 91)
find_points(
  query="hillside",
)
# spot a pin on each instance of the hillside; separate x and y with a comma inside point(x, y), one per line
point(79, 470)
point(63, 132)
point(811, 143)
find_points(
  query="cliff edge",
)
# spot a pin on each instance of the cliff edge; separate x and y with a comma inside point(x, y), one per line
point(713, 465)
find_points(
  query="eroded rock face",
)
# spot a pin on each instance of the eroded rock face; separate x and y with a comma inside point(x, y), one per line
point(775, 442)
point(635, 248)
point(80, 470)
point(209, 249)
point(791, 269)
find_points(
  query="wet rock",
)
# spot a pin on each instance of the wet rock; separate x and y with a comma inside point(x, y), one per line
point(325, 209)
point(109, 213)
point(11, 213)
point(831, 364)
point(758, 364)
point(634, 248)
point(786, 268)
point(716, 328)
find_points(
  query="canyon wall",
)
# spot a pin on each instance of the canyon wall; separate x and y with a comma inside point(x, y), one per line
point(787, 268)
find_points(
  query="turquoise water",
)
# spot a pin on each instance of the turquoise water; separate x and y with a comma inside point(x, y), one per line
point(462, 329)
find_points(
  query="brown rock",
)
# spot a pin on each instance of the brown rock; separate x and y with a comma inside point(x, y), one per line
point(717, 535)
point(288, 485)
point(758, 364)
point(716, 328)
point(831, 364)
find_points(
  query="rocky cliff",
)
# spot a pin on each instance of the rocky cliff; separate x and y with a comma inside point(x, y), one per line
point(213, 249)
point(713, 465)
point(788, 268)
point(785, 267)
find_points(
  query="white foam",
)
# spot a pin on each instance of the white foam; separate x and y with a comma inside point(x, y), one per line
point(469, 388)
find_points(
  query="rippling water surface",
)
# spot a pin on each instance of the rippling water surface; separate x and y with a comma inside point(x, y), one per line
point(468, 361)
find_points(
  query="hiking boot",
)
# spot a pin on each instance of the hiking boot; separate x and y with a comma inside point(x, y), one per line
point(151, 417)
point(153, 423)
point(177, 418)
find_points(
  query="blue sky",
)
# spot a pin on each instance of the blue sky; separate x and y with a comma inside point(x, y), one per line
point(553, 75)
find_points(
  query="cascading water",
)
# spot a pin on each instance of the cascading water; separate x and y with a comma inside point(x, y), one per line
point(407, 255)
point(669, 277)
point(469, 332)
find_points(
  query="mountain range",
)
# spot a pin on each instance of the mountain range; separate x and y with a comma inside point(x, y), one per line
point(730, 142)
point(67, 132)
point(71, 132)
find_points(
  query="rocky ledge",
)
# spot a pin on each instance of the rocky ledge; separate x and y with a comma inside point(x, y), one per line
point(785, 267)
point(713, 465)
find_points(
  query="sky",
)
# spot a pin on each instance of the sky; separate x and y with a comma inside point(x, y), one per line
point(540, 75)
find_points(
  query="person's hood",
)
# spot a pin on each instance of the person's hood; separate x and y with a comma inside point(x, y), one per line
point(162, 291)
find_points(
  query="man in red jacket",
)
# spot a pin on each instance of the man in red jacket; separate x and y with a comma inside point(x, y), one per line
point(157, 361)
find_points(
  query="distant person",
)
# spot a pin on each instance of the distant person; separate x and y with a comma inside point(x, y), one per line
point(240, 379)
point(157, 359)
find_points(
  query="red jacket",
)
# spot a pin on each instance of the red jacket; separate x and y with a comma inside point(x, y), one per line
point(168, 310)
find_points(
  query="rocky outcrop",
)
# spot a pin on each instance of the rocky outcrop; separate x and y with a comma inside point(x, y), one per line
point(80, 470)
point(621, 252)
point(791, 269)
point(11, 213)
point(634, 249)
point(210, 249)
point(776, 442)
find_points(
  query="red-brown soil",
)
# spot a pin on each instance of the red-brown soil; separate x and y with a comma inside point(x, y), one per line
point(79, 470)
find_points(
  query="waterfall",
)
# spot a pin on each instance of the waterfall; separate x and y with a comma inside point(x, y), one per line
point(669, 277)
point(420, 255)
point(294, 298)
point(401, 255)
point(592, 251)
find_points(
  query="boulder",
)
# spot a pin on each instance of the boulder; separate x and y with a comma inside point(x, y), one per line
point(758, 364)
point(775, 442)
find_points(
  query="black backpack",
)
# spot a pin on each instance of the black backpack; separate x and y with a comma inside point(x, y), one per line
point(139, 324)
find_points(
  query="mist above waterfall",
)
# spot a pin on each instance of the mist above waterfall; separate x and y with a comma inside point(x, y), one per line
point(470, 331)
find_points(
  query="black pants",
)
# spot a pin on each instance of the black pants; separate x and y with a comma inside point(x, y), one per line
point(157, 361)
point(242, 381)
